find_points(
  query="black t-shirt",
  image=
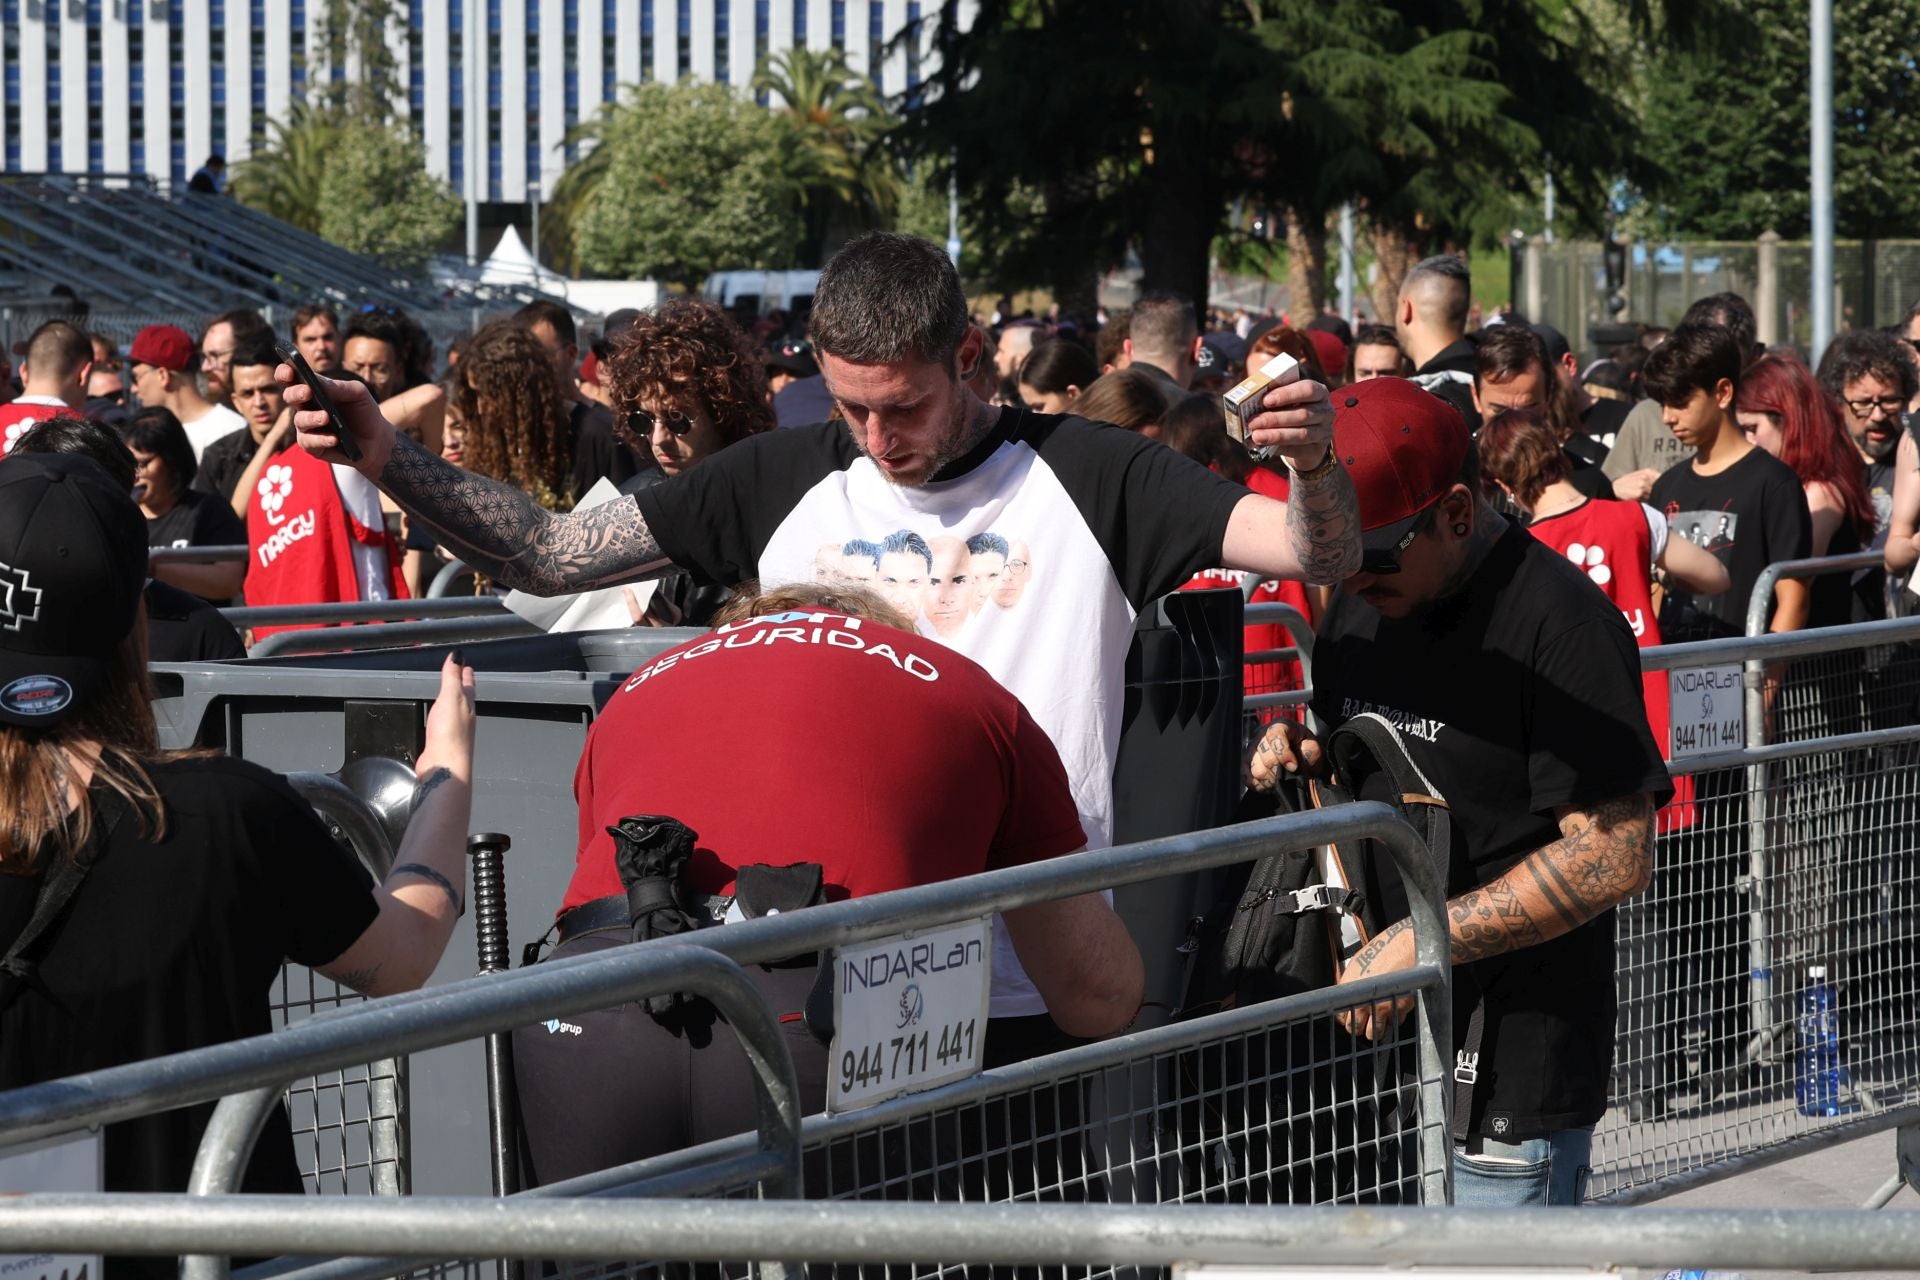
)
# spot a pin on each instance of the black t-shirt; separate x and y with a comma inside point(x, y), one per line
point(1601, 423)
point(596, 451)
point(181, 627)
point(1749, 516)
point(225, 460)
point(1541, 707)
point(198, 519)
point(175, 944)
point(1584, 450)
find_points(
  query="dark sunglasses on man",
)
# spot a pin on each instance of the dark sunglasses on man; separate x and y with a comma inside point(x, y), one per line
point(1386, 563)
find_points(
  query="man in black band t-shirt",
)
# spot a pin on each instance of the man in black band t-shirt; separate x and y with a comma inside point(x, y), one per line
point(1515, 687)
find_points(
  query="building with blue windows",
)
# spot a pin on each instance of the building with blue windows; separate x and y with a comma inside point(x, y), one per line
point(155, 86)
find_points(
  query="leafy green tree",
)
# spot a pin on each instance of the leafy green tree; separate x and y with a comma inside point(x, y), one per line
point(694, 180)
point(835, 125)
point(285, 176)
point(1727, 126)
point(381, 201)
point(360, 183)
point(353, 36)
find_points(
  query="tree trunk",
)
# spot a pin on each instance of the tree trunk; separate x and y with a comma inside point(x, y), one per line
point(1077, 290)
point(1306, 265)
point(1392, 255)
point(1186, 202)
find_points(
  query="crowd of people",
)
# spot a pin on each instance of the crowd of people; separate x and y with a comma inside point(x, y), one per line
point(929, 531)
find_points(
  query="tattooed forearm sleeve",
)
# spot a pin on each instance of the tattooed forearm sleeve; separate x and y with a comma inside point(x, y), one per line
point(1323, 521)
point(1604, 854)
point(508, 536)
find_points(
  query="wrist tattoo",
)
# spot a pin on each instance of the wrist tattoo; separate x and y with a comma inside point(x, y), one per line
point(431, 783)
point(424, 872)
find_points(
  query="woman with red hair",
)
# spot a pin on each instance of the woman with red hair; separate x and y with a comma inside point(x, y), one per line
point(1785, 410)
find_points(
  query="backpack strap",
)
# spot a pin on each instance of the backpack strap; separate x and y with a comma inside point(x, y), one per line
point(58, 883)
point(1367, 744)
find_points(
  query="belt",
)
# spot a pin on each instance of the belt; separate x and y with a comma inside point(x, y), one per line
point(601, 914)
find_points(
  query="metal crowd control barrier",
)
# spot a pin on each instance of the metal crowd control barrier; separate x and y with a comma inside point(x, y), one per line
point(197, 555)
point(1187, 1114)
point(349, 1124)
point(382, 635)
point(1797, 849)
point(1188, 1240)
point(1301, 632)
point(281, 615)
point(443, 581)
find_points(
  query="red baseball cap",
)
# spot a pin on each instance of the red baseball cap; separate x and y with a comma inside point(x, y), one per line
point(1331, 352)
point(1403, 447)
point(164, 346)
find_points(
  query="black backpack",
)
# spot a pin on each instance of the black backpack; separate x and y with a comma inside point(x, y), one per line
point(1289, 922)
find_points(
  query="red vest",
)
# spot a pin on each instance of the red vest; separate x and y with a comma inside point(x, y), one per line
point(1264, 677)
point(16, 418)
point(1612, 543)
point(301, 538)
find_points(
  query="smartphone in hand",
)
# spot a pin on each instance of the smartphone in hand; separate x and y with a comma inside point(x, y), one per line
point(321, 400)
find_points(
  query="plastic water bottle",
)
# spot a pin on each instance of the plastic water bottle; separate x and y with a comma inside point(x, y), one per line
point(1821, 1075)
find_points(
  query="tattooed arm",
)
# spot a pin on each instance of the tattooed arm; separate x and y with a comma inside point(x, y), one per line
point(1604, 854)
point(494, 527)
point(1314, 536)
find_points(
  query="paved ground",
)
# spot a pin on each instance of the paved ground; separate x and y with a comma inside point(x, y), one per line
point(1841, 1177)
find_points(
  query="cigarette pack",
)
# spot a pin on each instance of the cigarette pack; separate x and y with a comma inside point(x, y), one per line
point(1243, 403)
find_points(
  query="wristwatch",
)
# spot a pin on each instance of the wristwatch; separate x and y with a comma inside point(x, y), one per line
point(1320, 471)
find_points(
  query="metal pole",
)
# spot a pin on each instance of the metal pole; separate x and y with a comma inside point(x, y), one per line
point(1821, 94)
point(1346, 261)
point(533, 197)
point(1549, 205)
point(473, 115)
point(953, 212)
point(487, 850)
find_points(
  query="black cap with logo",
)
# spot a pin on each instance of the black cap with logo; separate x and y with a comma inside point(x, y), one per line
point(73, 560)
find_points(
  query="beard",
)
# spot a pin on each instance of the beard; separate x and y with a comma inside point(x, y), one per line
point(952, 444)
point(1881, 450)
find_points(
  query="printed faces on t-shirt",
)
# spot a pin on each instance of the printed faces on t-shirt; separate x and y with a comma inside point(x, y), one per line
point(942, 584)
point(999, 564)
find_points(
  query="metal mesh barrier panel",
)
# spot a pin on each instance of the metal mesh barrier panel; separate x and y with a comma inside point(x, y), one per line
point(1293, 1111)
point(1790, 881)
point(348, 1126)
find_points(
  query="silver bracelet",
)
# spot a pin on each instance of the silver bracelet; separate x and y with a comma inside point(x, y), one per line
point(428, 873)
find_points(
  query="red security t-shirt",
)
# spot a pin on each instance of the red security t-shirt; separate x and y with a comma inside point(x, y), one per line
point(811, 737)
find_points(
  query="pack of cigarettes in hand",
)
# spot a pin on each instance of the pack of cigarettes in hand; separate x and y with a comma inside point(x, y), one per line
point(1243, 403)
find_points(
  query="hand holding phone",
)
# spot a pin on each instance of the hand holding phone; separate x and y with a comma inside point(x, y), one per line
point(321, 400)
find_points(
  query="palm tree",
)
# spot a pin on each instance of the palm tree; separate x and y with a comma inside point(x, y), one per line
point(285, 176)
point(838, 123)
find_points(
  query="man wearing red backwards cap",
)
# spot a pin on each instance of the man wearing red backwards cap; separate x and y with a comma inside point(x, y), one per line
point(163, 359)
point(1515, 686)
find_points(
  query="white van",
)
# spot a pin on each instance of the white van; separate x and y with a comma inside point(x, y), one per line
point(758, 292)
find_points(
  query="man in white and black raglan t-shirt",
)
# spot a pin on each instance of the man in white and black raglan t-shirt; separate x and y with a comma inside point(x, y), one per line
point(1025, 541)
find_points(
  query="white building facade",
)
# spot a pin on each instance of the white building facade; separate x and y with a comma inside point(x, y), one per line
point(154, 87)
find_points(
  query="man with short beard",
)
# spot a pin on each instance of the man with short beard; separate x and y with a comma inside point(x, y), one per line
point(1865, 370)
point(1113, 520)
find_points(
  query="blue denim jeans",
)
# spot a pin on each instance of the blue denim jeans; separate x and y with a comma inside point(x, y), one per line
point(1488, 1174)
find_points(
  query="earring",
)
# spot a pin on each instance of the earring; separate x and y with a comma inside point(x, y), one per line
point(1460, 530)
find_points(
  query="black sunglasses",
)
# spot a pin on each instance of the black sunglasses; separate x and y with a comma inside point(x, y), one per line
point(640, 423)
point(1386, 563)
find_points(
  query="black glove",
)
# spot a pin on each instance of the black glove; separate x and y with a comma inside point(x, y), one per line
point(650, 851)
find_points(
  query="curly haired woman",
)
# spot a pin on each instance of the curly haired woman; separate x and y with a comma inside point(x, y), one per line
point(686, 383)
point(508, 398)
